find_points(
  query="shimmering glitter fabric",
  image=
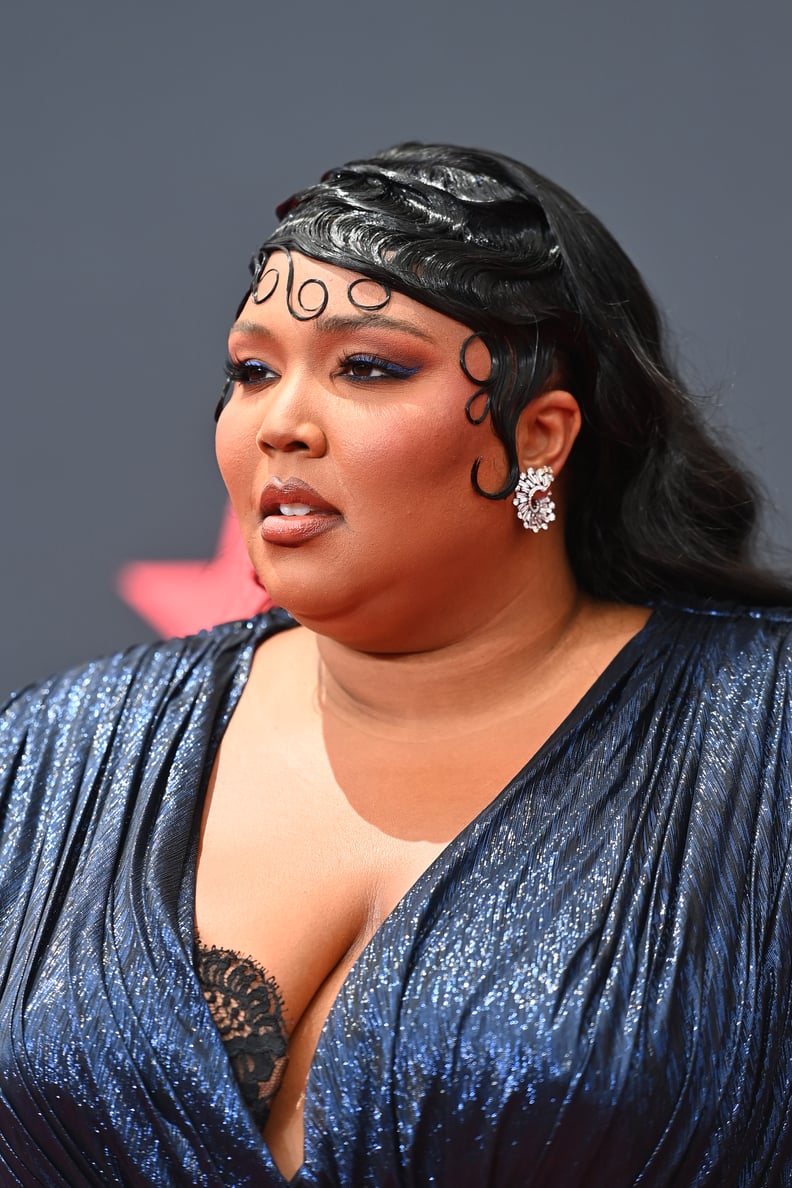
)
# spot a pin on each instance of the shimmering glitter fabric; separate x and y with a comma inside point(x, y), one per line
point(590, 987)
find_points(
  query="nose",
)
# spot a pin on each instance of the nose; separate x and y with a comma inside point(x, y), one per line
point(289, 422)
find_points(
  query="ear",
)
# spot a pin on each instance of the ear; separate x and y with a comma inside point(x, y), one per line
point(547, 430)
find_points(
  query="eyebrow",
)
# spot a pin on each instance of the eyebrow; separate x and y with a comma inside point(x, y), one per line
point(334, 323)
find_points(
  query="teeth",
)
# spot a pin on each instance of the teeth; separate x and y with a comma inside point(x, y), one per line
point(294, 509)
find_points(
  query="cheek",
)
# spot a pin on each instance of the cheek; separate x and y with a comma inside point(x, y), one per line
point(234, 450)
point(437, 446)
point(408, 448)
point(412, 459)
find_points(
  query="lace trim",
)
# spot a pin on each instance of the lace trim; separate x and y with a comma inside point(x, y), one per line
point(247, 1009)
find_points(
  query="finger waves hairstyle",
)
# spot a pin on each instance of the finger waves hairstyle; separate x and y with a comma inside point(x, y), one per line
point(656, 507)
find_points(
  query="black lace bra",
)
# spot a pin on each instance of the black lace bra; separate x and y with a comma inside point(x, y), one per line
point(246, 1005)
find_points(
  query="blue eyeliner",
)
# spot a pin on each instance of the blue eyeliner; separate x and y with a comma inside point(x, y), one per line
point(391, 370)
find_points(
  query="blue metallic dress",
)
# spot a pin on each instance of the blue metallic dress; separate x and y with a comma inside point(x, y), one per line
point(590, 987)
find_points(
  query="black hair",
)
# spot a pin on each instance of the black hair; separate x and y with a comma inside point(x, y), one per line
point(656, 507)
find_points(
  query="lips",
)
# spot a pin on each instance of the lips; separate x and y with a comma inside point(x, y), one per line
point(293, 512)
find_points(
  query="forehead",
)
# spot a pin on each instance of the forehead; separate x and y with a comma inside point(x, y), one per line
point(329, 297)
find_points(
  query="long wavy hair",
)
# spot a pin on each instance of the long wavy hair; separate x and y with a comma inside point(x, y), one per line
point(656, 507)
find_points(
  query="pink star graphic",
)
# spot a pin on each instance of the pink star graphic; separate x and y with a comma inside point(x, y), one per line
point(180, 597)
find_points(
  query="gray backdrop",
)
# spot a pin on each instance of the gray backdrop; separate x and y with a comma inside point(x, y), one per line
point(145, 146)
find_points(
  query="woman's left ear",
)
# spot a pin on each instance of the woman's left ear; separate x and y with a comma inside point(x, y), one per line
point(547, 430)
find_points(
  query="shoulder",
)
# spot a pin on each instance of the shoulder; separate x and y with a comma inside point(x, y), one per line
point(730, 636)
point(723, 676)
point(145, 672)
point(708, 689)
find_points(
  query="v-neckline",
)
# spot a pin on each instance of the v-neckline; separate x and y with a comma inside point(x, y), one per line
point(438, 867)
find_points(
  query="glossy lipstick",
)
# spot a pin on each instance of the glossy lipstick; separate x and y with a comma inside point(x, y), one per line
point(292, 513)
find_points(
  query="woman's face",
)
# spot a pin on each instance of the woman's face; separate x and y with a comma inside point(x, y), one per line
point(347, 454)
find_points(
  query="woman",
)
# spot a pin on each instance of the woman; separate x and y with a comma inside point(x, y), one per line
point(276, 906)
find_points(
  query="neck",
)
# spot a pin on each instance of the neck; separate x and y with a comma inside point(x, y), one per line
point(473, 677)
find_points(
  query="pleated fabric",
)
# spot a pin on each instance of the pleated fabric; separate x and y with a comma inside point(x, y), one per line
point(592, 985)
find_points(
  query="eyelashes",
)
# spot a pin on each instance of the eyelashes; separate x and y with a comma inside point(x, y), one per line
point(247, 372)
point(362, 367)
point(359, 368)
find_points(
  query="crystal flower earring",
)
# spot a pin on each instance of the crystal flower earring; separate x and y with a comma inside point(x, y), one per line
point(532, 498)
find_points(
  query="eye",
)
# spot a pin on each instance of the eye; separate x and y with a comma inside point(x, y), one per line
point(248, 372)
point(372, 367)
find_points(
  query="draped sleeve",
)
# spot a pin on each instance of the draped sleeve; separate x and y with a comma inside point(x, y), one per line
point(110, 1070)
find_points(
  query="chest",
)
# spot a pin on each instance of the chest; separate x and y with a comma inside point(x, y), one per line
point(324, 808)
point(336, 832)
point(309, 842)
